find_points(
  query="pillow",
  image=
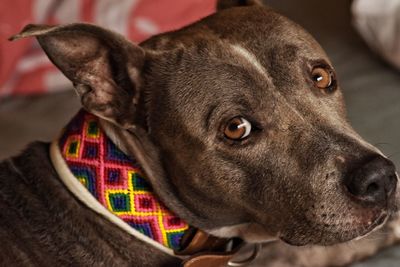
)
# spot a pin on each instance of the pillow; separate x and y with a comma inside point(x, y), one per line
point(378, 22)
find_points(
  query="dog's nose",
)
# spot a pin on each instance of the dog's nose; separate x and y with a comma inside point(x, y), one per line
point(373, 182)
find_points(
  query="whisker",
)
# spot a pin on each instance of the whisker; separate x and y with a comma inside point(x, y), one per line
point(380, 144)
point(394, 154)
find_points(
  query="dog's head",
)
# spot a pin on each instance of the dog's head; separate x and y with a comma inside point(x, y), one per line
point(242, 117)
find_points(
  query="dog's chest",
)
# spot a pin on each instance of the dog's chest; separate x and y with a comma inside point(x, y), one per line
point(43, 224)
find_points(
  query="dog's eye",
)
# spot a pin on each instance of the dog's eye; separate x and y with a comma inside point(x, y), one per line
point(237, 128)
point(322, 77)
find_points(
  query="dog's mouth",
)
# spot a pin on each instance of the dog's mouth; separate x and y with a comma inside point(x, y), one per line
point(373, 226)
point(325, 223)
point(335, 233)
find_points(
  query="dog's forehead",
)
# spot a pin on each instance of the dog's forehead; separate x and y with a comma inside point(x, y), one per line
point(245, 56)
point(257, 29)
point(260, 29)
point(255, 39)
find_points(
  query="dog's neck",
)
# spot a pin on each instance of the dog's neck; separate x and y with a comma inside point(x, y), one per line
point(117, 182)
point(113, 184)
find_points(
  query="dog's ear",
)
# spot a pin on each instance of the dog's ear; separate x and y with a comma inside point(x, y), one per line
point(224, 4)
point(103, 66)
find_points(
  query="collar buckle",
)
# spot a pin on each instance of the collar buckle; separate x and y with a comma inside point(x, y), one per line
point(206, 250)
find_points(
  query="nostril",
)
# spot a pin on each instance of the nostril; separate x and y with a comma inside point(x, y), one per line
point(372, 189)
point(373, 182)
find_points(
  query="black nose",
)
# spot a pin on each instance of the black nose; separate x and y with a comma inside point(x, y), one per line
point(373, 182)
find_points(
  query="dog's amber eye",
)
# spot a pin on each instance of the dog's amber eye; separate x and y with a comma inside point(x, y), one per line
point(322, 77)
point(237, 128)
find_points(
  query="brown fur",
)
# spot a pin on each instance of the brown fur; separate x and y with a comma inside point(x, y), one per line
point(176, 91)
point(43, 224)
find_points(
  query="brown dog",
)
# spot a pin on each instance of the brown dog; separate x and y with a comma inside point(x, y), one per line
point(239, 123)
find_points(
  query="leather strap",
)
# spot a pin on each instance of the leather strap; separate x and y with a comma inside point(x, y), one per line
point(206, 250)
point(196, 241)
point(209, 260)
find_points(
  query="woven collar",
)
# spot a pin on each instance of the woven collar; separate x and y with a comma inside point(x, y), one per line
point(112, 184)
point(117, 182)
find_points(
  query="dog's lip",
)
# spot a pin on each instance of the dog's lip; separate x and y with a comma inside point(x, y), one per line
point(372, 226)
point(289, 242)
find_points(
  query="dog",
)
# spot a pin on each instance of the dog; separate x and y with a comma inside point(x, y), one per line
point(239, 125)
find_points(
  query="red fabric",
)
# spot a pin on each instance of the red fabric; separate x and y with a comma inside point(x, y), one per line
point(24, 69)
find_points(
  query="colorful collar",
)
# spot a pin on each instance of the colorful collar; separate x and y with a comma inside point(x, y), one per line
point(114, 180)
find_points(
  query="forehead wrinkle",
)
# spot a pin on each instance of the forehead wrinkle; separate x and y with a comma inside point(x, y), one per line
point(244, 54)
point(250, 58)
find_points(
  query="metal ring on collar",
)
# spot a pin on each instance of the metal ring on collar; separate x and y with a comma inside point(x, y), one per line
point(251, 258)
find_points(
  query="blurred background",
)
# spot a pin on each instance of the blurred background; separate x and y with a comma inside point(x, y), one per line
point(36, 101)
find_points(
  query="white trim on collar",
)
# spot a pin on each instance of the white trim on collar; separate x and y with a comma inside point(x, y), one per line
point(84, 195)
